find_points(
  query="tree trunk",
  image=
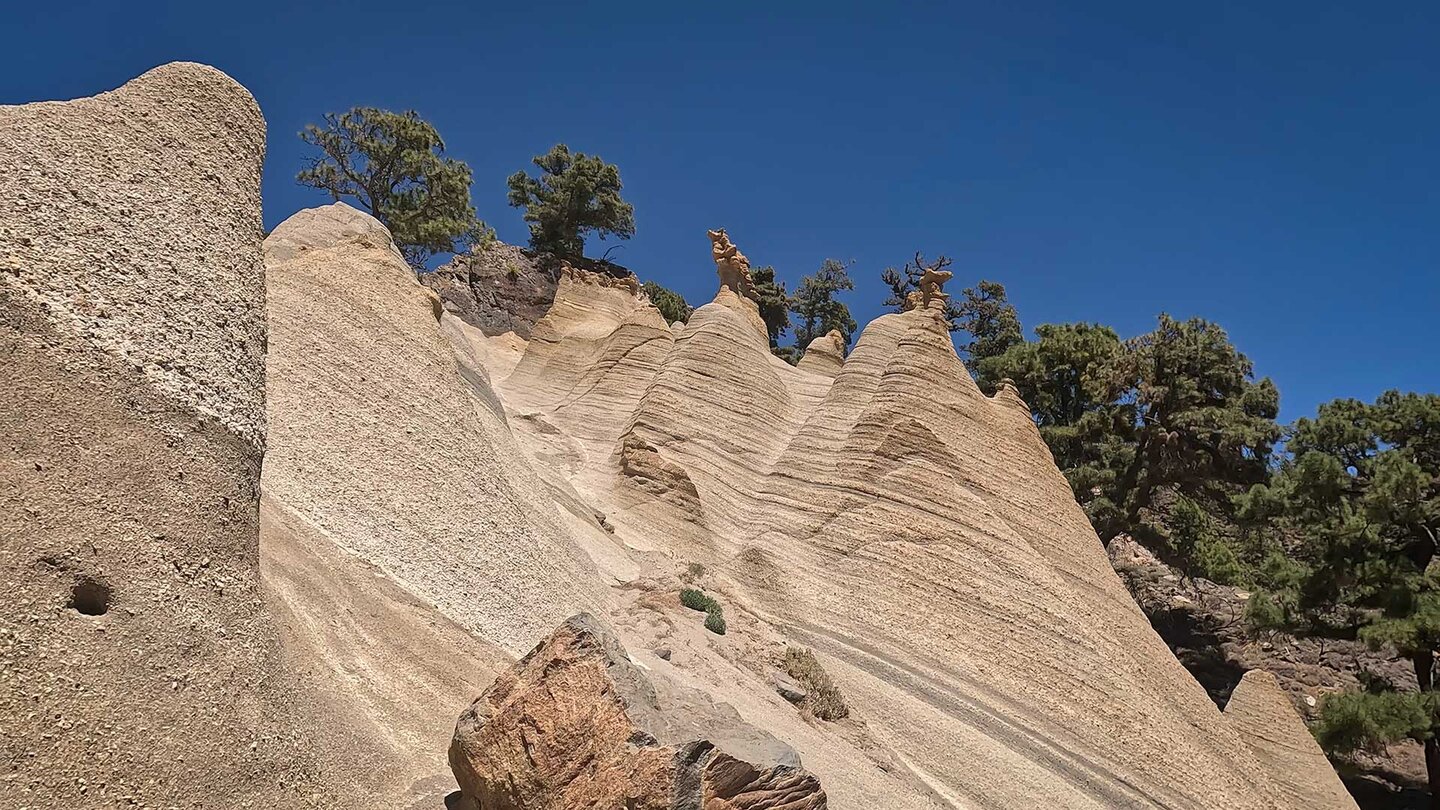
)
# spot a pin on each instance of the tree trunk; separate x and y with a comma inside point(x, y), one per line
point(1425, 676)
point(1432, 771)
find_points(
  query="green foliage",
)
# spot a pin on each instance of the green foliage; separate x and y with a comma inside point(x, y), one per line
point(715, 621)
point(1362, 491)
point(1359, 497)
point(1194, 421)
point(1263, 612)
point(1199, 548)
point(672, 305)
point(1062, 376)
point(1369, 721)
point(576, 194)
point(823, 696)
point(986, 314)
point(394, 165)
point(1175, 410)
point(815, 307)
point(696, 599)
point(774, 303)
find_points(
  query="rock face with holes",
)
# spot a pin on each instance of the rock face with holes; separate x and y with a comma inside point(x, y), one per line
point(139, 663)
point(575, 724)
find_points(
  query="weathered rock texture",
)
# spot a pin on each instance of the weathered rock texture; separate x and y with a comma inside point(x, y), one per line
point(1262, 714)
point(912, 531)
point(382, 442)
point(137, 663)
point(575, 725)
point(503, 288)
point(1203, 624)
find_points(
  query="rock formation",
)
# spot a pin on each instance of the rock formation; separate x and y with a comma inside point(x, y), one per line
point(931, 284)
point(502, 288)
point(912, 531)
point(825, 355)
point(1268, 724)
point(137, 663)
point(731, 265)
point(380, 439)
point(575, 724)
point(436, 499)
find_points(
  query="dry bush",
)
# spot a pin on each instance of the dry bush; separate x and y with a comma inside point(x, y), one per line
point(824, 700)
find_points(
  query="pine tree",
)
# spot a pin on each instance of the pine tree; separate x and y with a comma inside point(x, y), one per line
point(1362, 495)
point(1063, 376)
point(1202, 426)
point(985, 313)
point(394, 165)
point(576, 194)
point(774, 304)
point(672, 305)
point(816, 309)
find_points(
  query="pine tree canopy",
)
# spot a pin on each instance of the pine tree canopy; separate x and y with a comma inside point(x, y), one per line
point(394, 165)
point(575, 194)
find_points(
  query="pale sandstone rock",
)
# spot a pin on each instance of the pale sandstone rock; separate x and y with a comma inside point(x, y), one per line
point(1267, 722)
point(394, 451)
point(644, 467)
point(912, 531)
point(140, 667)
point(731, 265)
point(575, 725)
point(825, 355)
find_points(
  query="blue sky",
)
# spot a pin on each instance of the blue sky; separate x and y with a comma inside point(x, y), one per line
point(1274, 169)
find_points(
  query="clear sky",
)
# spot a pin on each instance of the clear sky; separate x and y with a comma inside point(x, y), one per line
point(1270, 166)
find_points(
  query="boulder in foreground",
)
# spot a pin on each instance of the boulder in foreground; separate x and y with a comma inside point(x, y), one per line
point(576, 724)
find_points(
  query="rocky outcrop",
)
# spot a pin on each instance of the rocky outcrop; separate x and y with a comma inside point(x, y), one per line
point(732, 266)
point(575, 724)
point(649, 471)
point(825, 355)
point(1263, 716)
point(1203, 624)
point(381, 440)
point(502, 288)
point(913, 532)
point(138, 666)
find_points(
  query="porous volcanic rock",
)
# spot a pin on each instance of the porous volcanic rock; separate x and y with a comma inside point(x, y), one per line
point(1261, 712)
point(575, 724)
point(138, 666)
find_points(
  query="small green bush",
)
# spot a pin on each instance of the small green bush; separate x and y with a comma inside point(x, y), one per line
point(1365, 721)
point(695, 599)
point(715, 621)
point(1264, 612)
point(693, 572)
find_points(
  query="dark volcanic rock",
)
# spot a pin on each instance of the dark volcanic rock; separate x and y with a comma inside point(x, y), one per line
point(503, 288)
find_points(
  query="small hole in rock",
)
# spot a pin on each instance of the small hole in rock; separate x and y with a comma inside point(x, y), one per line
point(90, 596)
